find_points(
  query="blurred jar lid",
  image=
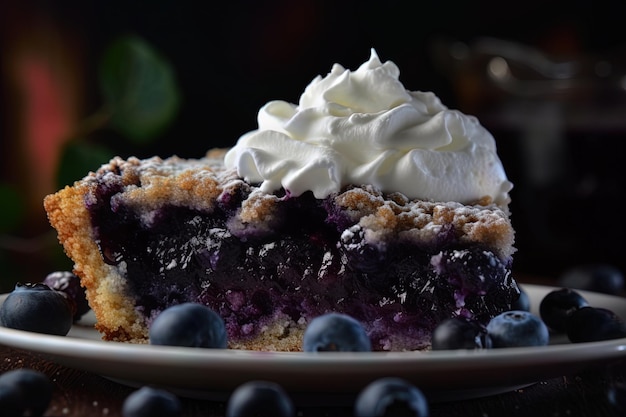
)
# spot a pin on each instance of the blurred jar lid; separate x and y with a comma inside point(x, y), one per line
point(490, 71)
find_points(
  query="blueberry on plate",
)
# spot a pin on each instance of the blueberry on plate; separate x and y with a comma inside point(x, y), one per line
point(522, 302)
point(460, 333)
point(69, 283)
point(335, 332)
point(558, 305)
point(24, 390)
point(593, 324)
point(151, 402)
point(189, 325)
point(391, 397)
point(604, 278)
point(517, 328)
point(259, 399)
point(37, 308)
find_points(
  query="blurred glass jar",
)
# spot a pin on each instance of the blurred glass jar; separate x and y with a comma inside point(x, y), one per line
point(560, 125)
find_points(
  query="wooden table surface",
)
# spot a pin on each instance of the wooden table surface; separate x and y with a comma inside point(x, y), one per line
point(83, 394)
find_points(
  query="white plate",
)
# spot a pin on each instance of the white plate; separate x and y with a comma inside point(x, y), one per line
point(327, 378)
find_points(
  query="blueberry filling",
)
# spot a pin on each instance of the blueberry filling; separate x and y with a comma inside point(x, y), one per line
point(306, 266)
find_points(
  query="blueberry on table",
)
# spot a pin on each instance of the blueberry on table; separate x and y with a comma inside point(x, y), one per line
point(603, 278)
point(460, 333)
point(516, 329)
point(37, 308)
point(593, 324)
point(69, 283)
point(558, 305)
point(24, 390)
point(259, 399)
point(335, 332)
point(151, 402)
point(189, 325)
point(391, 397)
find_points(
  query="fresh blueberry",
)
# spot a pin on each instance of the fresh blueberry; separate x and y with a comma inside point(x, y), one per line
point(391, 397)
point(335, 332)
point(259, 399)
point(592, 324)
point(24, 390)
point(37, 308)
point(517, 328)
point(190, 325)
point(460, 333)
point(603, 278)
point(522, 303)
point(69, 283)
point(151, 402)
point(558, 305)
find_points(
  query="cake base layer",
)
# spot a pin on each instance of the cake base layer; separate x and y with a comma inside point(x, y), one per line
point(148, 234)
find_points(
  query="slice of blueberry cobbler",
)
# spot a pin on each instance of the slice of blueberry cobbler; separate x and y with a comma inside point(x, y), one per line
point(398, 266)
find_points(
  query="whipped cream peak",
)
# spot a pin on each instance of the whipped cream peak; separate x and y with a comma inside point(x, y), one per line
point(364, 127)
point(373, 88)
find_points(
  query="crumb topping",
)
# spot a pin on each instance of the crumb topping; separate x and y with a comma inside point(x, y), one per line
point(152, 183)
point(149, 184)
point(394, 216)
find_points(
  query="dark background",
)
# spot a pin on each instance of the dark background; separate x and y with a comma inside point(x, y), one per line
point(562, 147)
point(234, 56)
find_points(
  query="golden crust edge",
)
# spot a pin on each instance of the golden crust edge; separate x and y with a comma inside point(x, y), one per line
point(116, 317)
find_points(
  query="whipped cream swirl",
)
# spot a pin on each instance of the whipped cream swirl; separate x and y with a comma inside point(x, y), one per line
point(363, 127)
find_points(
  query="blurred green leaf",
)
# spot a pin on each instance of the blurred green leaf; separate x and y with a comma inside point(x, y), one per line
point(139, 88)
point(11, 208)
point(78, 158)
